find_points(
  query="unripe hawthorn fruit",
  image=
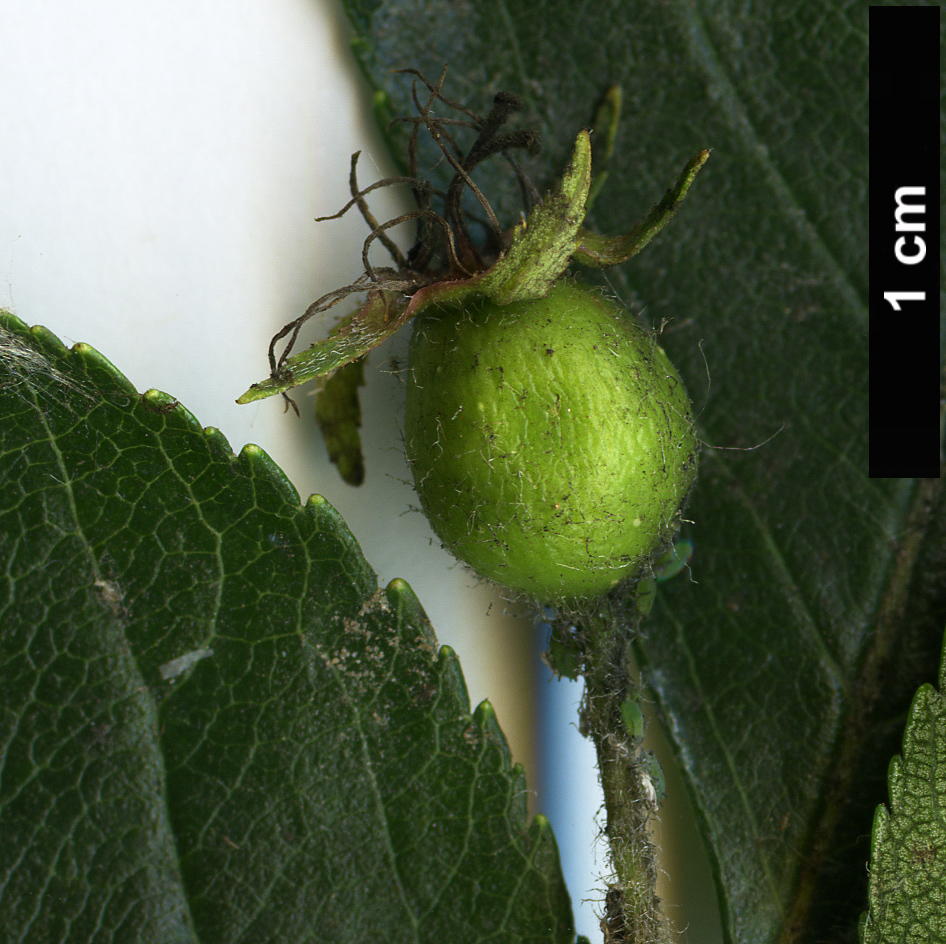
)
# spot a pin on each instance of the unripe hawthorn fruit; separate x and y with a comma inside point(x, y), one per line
point(551, 441)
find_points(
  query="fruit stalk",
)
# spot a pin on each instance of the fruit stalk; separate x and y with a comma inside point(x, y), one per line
point(633, 913)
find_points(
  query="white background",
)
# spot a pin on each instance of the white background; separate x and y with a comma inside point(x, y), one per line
point(160, 168)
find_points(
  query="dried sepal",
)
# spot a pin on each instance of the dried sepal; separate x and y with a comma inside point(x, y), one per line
point(446, 265)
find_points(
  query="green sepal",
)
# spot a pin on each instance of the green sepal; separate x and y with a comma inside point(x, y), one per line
point(604, 132)
point(339, 415)
point(600, 251)
point(383, 314)
point(543, 245)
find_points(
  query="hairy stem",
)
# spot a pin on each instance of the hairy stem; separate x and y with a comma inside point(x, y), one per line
point(632, 907)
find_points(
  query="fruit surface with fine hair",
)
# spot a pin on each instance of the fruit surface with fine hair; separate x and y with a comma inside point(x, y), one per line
point(551, 441)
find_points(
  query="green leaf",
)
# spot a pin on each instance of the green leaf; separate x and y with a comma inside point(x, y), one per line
point(215, 726)
point(816, 606)
point(908, 845)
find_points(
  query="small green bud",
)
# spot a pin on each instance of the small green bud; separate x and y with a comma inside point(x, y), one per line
point(633, 718)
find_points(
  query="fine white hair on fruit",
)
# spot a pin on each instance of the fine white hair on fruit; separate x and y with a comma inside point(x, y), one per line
point(571, 471)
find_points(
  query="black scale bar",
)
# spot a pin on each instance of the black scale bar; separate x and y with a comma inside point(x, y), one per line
point(905, 368)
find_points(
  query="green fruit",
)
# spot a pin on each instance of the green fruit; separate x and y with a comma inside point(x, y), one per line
point(551, 441)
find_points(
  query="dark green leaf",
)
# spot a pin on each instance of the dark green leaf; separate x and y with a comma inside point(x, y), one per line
point(215, 726)
point(818, 599)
